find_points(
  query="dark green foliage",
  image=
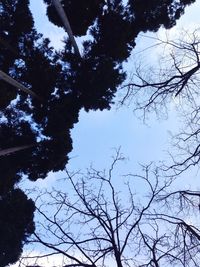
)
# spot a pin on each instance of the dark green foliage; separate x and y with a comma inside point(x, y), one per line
point(64, 84)
point(16, 225)
point(36, 65)
point(114, 35)
point(7, 94)
point(84, 11)
point(46, 156)
point(13, 133)
point(150, 15)
point(12, 14)
point(15, 22)
point(93, 80)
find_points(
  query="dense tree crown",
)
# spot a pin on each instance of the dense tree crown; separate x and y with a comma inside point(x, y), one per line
point(61, 83)
point(16, 224)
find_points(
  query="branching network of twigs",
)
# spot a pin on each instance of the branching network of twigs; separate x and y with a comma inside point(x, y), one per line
point(173, 81)
point(101, 221)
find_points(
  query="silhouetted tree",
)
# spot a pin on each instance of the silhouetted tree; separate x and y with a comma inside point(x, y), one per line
point(16, 22)
point(16, 224)
point(107, 219)
point(176, 82)
point(62, 82)
point(81, 14)
point(153, 14)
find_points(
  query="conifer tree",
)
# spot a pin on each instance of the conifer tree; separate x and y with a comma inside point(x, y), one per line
point(63, 82)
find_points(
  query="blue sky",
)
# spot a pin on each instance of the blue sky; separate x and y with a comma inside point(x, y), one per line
point(98, 133)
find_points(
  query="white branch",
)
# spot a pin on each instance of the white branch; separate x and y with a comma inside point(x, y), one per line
point(66, 24)
point(16, 84)
point(8, 151)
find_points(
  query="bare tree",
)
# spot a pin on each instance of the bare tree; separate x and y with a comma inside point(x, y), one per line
point(96, 224)
point(176, 73)
point(173, 81)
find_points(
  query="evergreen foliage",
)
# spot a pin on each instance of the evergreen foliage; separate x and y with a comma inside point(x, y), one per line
point(77, 11)
point(64, 84)
point(16, 225)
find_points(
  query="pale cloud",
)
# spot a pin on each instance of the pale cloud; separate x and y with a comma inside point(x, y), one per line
point(36, 258)
point(30, 258)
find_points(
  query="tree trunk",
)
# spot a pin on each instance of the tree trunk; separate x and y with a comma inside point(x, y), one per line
point(66, 24)
point(117, 257)
point(16, 84)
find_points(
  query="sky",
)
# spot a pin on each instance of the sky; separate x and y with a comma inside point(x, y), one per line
point(98, 134)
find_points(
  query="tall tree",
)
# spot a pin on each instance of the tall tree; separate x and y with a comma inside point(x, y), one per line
point(66, 24)
point(66, 83)
point(81, 14)
point(16, 22)
point(16, 225)
point(108, 221)
point(63, 82)
point(175, 83)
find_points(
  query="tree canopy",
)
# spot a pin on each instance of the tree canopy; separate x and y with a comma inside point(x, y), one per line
point(16, 225)
point(107, 219)
point(60, 83)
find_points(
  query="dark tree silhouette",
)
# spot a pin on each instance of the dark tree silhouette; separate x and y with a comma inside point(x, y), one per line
point(35, 127)
point(175, 81)
point(66, 83)
point(81, 14)
point(16, 225)
point(16, 22)
point(151, 15)
point(105, 219)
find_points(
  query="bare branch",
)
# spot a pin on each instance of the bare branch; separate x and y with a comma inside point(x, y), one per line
point(93, 226)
